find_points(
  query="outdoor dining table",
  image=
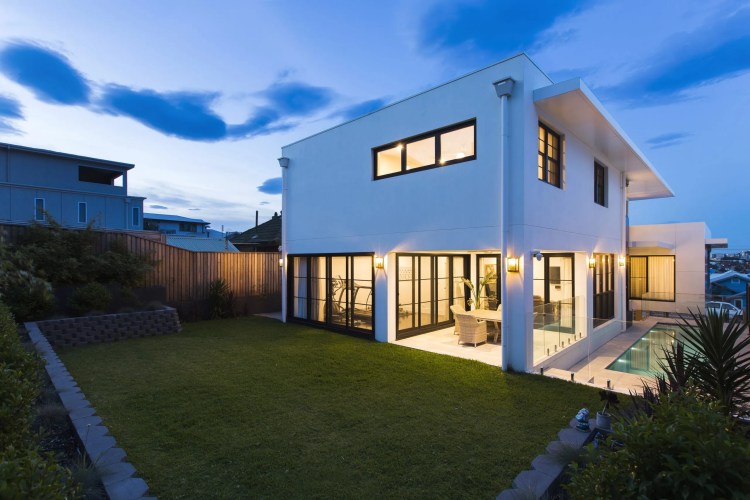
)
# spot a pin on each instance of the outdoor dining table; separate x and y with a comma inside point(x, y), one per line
point(488, 315)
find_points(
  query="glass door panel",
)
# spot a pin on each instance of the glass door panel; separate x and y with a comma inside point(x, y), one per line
point(318, 289)
point(488, 266)
point(362, 293)
point(406, 296)
point(340, 291)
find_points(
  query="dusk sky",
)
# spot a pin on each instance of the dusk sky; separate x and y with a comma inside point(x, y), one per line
point(201, 96)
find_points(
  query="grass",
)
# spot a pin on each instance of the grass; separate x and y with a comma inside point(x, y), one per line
point(255, 408)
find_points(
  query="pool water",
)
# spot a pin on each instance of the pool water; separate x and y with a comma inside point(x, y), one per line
point(642, 358)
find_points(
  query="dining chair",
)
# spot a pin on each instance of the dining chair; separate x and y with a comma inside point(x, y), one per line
point(471, 331)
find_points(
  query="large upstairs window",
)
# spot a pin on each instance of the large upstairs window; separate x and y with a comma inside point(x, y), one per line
point(445, 146)
point(549, 156)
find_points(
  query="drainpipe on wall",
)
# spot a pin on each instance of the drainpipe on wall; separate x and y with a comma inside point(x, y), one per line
point(284, 164)
point(504, 89)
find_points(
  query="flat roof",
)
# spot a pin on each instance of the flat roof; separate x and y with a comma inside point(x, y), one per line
point(576, 107)
point(172, 218)
point(47, 152)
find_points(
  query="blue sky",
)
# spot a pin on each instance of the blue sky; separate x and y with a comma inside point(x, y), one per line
point(201, 96)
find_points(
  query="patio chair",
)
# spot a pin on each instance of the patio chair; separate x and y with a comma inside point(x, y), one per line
point(495, 325)
point(471, 331)
point(455, 312)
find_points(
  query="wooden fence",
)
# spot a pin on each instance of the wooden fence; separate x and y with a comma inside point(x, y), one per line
point(253, 277)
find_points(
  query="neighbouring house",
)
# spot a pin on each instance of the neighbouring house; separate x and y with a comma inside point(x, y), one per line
point(501, 176)
point(178, 225)
point(730, 287)
point(201, 244)
point(74, 190)
point(264, 237)
point(668, 266)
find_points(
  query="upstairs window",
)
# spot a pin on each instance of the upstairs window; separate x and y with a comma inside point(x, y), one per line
point(445, 146)
point(39, 214)
point(82, 212)
point(600, 184)
point(549, 156)
point(136, 216)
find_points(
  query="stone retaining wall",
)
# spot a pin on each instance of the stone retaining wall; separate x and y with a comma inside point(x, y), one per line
point(109, 327)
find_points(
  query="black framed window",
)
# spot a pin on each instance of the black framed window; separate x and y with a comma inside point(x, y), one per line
point(82, 212)
point(39, 214)
point(489, 266)
point(604, 288)
point(445, 146)
point(333, 290)
point(548, 164)
point(600, 184)
point(426, 287)
point(651, 277)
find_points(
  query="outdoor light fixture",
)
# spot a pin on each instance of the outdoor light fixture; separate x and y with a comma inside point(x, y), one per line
point(621, 261)
point(281, 262)
point(378, 262)
point(592, 262)
point(512, 264)
point(284, 162)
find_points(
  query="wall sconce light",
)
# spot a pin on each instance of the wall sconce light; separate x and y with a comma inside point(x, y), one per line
point(621, 261)
point(378, 262)
point(592, 262)
point(512, 264)
point(281, 262)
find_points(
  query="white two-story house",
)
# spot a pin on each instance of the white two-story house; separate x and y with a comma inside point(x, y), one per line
point(501, 172)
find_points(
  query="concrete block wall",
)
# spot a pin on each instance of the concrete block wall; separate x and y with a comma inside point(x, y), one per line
point(71, 332)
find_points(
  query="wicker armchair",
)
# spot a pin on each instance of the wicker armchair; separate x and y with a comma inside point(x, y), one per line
point(455, 312)
point(471, 331)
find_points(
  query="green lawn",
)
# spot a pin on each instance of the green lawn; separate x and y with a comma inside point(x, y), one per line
point(255, 408)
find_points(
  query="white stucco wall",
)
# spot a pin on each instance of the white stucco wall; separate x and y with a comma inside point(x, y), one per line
point(688, 242)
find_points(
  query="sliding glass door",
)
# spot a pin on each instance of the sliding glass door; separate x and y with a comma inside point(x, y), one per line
point(333, 290)
point(426, 287)
point(554, 293)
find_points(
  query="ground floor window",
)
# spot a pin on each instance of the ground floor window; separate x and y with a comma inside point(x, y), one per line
point(652, 277)
point(426, 287)
point(333, 290)
point(604, 288)
point(488, 267)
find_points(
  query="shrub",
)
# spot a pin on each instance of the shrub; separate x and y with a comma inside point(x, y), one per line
point(687, 449)
point(26, 474)
point(220, 299)
point(90, 297)
point(28, 296)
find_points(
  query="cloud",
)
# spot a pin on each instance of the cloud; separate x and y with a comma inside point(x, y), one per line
point(158, 207)
point(10, 109)
point(297, 98)
point(194, 209)
point(360, 109)
point(271, 186)
point(667, 140)
point(186, 115)
point(489, 30)
point(48, 74)
point(708, 55)
point(264, 203)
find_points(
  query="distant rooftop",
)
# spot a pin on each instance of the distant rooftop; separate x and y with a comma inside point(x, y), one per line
point(201, 244)
point(172, 218)
point(47, 152)
point(263, 234)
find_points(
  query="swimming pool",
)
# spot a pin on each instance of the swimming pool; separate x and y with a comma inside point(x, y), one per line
point(642, 358)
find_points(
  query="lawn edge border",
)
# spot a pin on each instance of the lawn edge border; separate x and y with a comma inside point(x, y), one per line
point(546, 471)
point(117, 474)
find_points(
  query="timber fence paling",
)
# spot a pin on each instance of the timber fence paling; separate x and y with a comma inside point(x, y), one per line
point(187, 275)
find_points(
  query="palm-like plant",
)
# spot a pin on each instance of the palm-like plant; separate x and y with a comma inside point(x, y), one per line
point(476, 293)
point(721, 358)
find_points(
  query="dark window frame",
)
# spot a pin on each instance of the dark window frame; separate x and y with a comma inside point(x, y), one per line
point(497, 277)
point(545, 164)
point(416, 138)
point(603, 281)
point(416, 291)
point(327, 322)
point(40, 214)
point(135, 216)
point(674, 274)
point(600, 184)
point(82, 204)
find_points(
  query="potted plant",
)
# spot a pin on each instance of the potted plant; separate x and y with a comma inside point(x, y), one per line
point(603, 418)
point(476, 301)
